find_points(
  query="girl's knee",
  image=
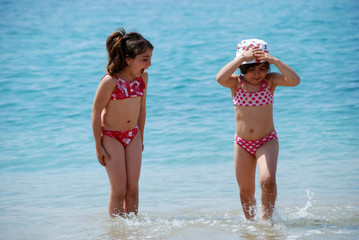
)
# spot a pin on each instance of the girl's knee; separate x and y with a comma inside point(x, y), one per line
point(132, 190)
point(118, 193)
point(268, 182)
point(246, 193)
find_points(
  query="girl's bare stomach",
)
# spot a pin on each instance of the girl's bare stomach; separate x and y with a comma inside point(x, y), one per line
point(254, 123)
point(121, 115)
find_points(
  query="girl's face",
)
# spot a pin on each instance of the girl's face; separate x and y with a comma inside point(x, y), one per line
point(140, 63)
point(255, 75)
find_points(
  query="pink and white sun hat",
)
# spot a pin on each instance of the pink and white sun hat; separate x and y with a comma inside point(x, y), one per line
point(251, 43)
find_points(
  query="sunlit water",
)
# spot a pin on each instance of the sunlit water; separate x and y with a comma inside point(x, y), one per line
point(53, 57)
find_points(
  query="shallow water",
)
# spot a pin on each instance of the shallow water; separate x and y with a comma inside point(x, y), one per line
point(53, 57)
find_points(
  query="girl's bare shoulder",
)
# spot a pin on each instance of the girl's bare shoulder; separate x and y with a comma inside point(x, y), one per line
point(273, 77)
point(144, 76)
point(108, 81)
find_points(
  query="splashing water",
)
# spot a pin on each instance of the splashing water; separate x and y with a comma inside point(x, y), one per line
point(303, 212)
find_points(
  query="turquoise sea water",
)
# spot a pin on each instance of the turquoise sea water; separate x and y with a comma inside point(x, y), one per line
point(53, 56)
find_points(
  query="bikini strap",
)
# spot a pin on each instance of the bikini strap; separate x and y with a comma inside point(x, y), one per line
point(264, 84)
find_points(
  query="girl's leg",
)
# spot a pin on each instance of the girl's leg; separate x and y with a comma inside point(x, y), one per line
point(267, 157)
point(116, 171)
point(245, 167)
point(133, 168)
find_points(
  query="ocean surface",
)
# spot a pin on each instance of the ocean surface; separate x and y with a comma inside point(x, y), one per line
point(52, 57)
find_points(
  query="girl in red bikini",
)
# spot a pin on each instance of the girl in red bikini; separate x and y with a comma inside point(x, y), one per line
point(256, 141)
point(118, 117)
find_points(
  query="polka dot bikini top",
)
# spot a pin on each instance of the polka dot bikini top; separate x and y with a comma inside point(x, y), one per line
point(253, 99)
point(126, 89)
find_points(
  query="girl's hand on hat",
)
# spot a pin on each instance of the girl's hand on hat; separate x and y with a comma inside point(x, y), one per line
point(265, 56)
point(249, 54)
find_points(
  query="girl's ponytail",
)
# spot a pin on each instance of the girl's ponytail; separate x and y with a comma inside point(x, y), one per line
point(116, 57)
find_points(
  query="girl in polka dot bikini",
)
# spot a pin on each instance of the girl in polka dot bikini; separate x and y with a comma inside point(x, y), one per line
point(256, 140)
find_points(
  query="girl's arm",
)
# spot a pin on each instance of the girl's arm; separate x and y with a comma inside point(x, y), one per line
point(288, 78)
point(102, 97)
point(142, 117)
point(225, 76)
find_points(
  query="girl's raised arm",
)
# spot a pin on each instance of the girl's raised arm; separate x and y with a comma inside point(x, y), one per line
point(225, 76)
point(288, 78)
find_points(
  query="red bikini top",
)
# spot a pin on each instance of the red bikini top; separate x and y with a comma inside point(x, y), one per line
point(124, 89)
point(251, 99)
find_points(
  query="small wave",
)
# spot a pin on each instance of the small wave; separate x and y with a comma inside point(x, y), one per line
point(289, 222)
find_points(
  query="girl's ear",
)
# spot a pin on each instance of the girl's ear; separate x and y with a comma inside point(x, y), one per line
point(128, 60)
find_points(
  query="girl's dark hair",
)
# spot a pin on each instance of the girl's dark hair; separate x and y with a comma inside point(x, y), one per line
point(121, 45)
point(244, 67)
